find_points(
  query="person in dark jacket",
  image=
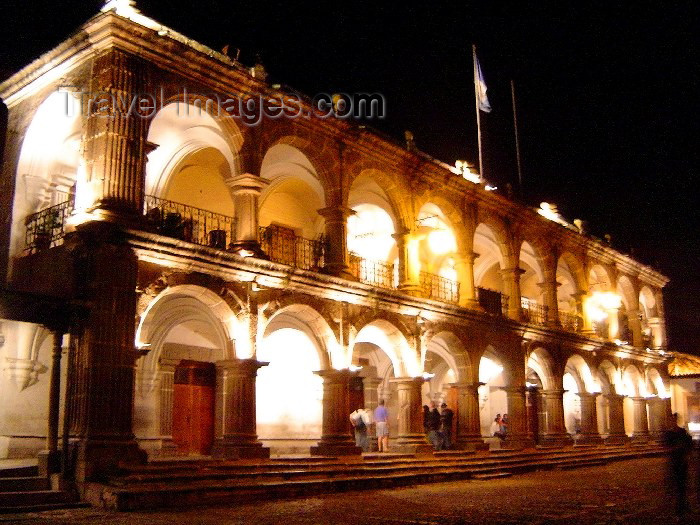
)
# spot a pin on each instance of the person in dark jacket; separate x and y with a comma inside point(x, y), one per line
point(680, 444)
point(434, 426)
point(446, 416)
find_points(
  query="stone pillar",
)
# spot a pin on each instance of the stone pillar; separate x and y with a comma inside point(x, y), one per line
point(641, 425)
point(370, 385)
point(336, 255)
point(658, 419)
point(235, 384)
point(613, 323)
point(409, 262)
point(49, 460)
point(511, 279)
point(467, 413)
point(102, 389)
point(616, 424)
point(589, 418)
point(246, 189)
point(656, 324)
point(167, 382)
point(549, 292)
point(114, 143)
point(464, 266)
point(554, 431)
point(411, 436)
point(336, 438)
point(582, 299)
point(635, 325)
point(517, 418)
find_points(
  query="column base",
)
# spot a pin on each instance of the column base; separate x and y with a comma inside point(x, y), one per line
point(239, 450)
point(616, 439)
point(588, 439)
point(97, 458)
point(558, 439)
point(49, 462)
point(413, 444)
point(518, 442)
point(341, 446)
point(640, 437)
point(472, 443)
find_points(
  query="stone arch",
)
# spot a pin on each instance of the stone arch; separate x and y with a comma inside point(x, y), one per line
point(533, 264)
point(577, 366)
point(600, 278)
point(388, 188)
point(647, 302)
point(448, 345)
point(655, 383)
point(494, 376)
point(180, 130)
point(608, 377)
point(493, 257)
point(544, 365)
point(393, 339)
point(632, 381)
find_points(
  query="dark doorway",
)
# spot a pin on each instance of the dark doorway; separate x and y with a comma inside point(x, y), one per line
point(193, 407)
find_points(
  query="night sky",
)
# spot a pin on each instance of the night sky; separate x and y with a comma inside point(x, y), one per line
point(607, 98)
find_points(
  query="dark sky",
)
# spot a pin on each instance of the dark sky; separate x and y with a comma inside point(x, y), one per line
point(607, 96)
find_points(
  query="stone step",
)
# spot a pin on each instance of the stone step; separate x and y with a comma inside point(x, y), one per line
point(19, 472)
point(494, 475)
point(34, 497)
point(42, 507)
point(21, 484)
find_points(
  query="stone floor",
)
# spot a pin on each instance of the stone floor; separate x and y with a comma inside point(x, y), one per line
point(632, 491)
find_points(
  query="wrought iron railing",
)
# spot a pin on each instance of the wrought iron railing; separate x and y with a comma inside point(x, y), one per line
point(282, 245)
point(533, 312)
point(493, 302)
point(373, 272)
point(188, 223)
point(570, 322)
point(46, 228)
point(438, 287)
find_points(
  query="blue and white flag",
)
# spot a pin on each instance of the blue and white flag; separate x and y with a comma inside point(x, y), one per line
point(481, 89)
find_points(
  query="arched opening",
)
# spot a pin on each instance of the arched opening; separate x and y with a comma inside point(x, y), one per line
point(607, 377)
point(488, 265)
point(539, 377)
point(48, 167)
point(437, 249)
point(632, 386)
point(656, 385)
point(568, 299)
point(601, 301)
point(577, 379)
point(373, 251)
point(492, 398)
point(627, 307)
point(531, 291)
point(647, 312)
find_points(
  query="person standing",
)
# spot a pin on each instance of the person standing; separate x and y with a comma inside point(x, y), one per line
point(381, 421)
point(360, 421)
point(446, 416)
point(434, 426)
point(680, 444)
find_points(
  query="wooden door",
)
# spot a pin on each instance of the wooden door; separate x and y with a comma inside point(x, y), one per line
point(193, 407)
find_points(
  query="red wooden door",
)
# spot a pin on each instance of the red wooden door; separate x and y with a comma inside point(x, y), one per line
point(193, 407)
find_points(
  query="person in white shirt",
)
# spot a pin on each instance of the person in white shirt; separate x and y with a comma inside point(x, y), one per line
point(360, 420)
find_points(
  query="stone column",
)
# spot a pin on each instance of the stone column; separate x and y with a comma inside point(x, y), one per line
point(517, 417)
point(246, 189)
point(616, 423)
point(167, 382)
point(511, 278)
point(409, 263)
point(411, 436)
point(657, 331)
point(641, 425)
point(235, 384)
point(114, 144)
point(464, 266)
point(635, 325)
point(336, 438)
point(589, 418)
point(49, 460)
point(613, 323)
point(468, 422)
point(554, 431)
point(370, 385)
point(336, 255)
point(102, 388)
point(658, 419)
point(549, 292)
point(582, 299)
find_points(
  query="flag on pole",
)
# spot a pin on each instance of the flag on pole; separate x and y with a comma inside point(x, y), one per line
point(481, 89)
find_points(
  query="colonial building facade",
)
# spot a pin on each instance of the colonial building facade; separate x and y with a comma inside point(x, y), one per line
point(219, 287)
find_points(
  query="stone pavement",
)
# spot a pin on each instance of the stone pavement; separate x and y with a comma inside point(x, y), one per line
point(631, 491)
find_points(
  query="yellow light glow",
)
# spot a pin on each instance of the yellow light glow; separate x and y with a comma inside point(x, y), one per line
point(488, 370)
point(441, 242)
point(694, 427)
point(370, 232)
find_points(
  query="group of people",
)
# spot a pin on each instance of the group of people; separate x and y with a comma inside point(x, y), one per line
point(499, 427)
point(361, 419)
point(438, 425)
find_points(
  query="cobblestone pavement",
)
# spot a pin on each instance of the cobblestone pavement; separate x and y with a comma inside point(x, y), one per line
point(623, 492)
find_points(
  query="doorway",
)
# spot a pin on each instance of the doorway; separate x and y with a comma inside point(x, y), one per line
point(193, 407)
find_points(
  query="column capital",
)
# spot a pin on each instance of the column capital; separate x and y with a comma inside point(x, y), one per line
point(247, 183)
point(331, 375)
point(336, 213)
point(514, 272)
point(407, 380)
point(241, 366)
point(588, 394)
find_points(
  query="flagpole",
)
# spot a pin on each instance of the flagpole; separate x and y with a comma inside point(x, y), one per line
point(478, 117)
point(517, 138)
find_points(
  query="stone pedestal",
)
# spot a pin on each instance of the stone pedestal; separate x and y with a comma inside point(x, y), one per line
point(235, 385)
point(101, 371)
point(468, 422)
point(336, 255)
point(616, 419)
point(658, 419)
point(553, 427)
point(336, 436)
point(640, 427)
point(411, 436)
point(517, 436)
point(589, 419)
point(246, 189)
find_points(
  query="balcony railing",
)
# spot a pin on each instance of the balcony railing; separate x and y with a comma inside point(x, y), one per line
point(570, 322)
point(283, 245)
point(188, 223)
point(493, 302)
point(373, 272)
point(438, 287)
point(533, 312)
point(46, 228)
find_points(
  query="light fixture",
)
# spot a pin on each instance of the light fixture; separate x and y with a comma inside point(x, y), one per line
point(427, 376)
